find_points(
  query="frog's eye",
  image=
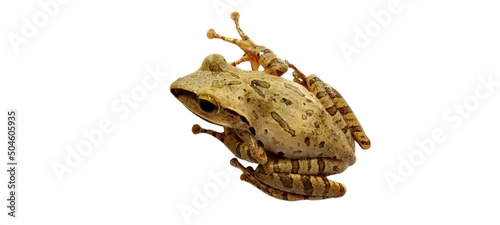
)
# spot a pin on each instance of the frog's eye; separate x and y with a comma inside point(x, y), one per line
point(208, 104)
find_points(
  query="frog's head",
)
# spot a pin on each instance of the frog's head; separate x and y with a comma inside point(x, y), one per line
point(211, 92)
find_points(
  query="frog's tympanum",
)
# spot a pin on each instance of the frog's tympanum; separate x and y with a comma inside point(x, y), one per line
point(299, 131)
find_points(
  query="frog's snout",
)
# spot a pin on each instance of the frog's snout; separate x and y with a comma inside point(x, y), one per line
point(178, 92)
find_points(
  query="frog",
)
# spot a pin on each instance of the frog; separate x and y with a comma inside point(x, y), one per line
point(257, 55)
point(288, 129)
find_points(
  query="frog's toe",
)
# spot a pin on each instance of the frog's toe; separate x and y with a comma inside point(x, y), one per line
point(211, 34)
point(196, 129)
point(234, 162)
point(235, 15)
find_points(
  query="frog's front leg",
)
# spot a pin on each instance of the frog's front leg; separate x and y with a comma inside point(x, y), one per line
point(335, 105)
point(296, 179)
point(242, 144)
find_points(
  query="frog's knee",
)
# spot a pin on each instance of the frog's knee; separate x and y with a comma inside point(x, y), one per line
point(277, 70)
point(260, 157)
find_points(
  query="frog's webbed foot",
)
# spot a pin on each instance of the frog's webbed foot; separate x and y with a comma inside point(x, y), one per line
point(295, 179)
point(249, 150)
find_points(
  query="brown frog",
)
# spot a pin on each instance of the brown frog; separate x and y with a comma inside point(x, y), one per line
point(298, 131)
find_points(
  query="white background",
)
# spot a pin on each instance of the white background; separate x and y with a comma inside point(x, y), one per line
point(425, 63)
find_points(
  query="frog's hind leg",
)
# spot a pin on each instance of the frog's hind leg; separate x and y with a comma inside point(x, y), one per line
point(336, 106)
point(248, 176)
point(249, 151)
point(340, 106)
point(296, 179)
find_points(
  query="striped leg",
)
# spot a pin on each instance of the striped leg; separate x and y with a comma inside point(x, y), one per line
point(243, 146)
point(343, 108)
point(336, 106)
point(296, 179)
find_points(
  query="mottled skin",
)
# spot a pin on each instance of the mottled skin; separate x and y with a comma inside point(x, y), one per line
point(282, 125)
point(257, 55)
